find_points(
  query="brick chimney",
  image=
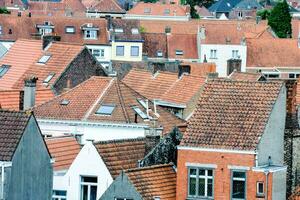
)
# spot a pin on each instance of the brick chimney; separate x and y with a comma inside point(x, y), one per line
point(29, 92)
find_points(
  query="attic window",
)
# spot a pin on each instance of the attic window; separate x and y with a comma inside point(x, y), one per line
point(64, 102)
point(105, 109)
point(49, 77)
point(139, 112)
point(119, 30)
point(179, 52)
point(147, 10)
point(159, 53)
point(167, 11)
point(135, 31)
point(44, 59)
point(3, 70)
point(70, 29)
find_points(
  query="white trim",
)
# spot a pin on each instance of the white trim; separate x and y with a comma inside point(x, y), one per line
point(235, 167)
point(216, 150)
point(201, 165)
point(271, 169)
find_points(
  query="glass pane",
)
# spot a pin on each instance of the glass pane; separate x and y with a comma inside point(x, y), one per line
point(105, 109)
point(89, 179)
point(209, 172)
point(192, 186)
point(193, 172)
point(84, 192)
point(93, 193)
point(239, 174)
point(201, 189)
point(260, 188)
point(238, 189)
point(209, 187)
point(202, 172)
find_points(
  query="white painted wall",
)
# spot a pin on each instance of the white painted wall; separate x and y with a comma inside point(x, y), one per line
point(127, 51)
point(107, 53)
point(224, 53)
point(87, 163)
point(91, 131)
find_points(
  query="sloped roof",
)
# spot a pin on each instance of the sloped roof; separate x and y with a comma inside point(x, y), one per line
point(296, 194)
point(127, 26)
point(246, 76)
point(121, 154)
point(203, 12)
point(248, 5)
point(200, 69)
point(23, 58)
point(231, 114)
point(86, 98)
point(12, 126)
point(154, 42)
point(187, 43)
point(223, 5)
point(273, 53)
point(158, 9)
point(154, 181)
point(109, 6)
point(166, 86)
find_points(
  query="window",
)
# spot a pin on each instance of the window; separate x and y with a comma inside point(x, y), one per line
point(271, 75)
point(59, 195)
point(179, 52)
point(294, 75)
point(90, 34)
point(3, 70)
point(119, 30)
point(200, 182)
point(45, 31)
point(0, 30)
point(70, 29)
point(235, 53)
point(147, 10)
point(64, 102)
point(88, 188)
point(44, 59)
point(98, 52)
point(139, 112)
point(49, 77)
point(135, 31)
point(134, 51)
point(105, 109)
point(240, 14)
point(142, 102)
point(213, 53)
point(120, 51)
point(159, 53)
point(260, 189)
point(167, 11)
point(238, 184)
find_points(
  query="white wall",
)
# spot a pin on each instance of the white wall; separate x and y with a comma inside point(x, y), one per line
point(224, 53)
point(87, 163)
point(107, 53)
point(127, 51)
point(91, 131)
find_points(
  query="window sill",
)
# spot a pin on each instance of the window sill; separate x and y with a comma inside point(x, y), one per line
point(260, 196)
point(199, 198)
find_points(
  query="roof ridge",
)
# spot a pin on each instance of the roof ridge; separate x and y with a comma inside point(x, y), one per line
point(120, 140)
point(149, 167)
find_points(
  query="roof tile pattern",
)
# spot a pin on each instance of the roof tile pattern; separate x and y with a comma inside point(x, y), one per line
point(121, 155)
point(246, 76)
point(12, 126)
point(231, 114)
point(157, 180)
point(64, 150)
point(109, 6)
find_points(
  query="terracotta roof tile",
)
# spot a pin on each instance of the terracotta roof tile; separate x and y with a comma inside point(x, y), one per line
point(122, 154)
point(154, 42)
point(296, 194)
point(285, 53)
point(154, 181)
point(246, 76)
point(231, 114)
point(165, 86)
point(200, 69)
point(158, 9)
point(187, 43)
point(12, 126)
point(109, 6)
point(127, 26)
point(64, 150)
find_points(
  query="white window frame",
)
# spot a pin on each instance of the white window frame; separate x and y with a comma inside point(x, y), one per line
point(138, 51)
point(89, 184)
point(70, 29)
point(59, 197)
point(45, 31)
point(120, 46)
point(213, 54)
point(258, 193)
point(205, 177)
point(235, 53)
point(178, 52)
point(238, 179)
point(90, 34)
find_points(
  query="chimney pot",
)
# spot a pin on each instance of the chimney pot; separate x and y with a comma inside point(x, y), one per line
point(29, 92)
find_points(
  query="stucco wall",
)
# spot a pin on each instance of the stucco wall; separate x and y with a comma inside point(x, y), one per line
point(107, 52)
point(127, 51)
point(278, 189)
point(31, 174)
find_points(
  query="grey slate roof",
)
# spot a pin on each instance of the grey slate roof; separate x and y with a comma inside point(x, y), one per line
point(223, 5)
point(248, 5)
point(12, 126)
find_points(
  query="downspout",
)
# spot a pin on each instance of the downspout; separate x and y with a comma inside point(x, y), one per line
point(267, 184)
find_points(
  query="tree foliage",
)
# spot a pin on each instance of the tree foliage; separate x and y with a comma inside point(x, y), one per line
point(264, 13)
point(280, 20)
point(4, 11)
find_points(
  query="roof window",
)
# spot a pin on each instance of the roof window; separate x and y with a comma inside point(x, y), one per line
point(105, 109)
point(44, 59)
point(64, 102)
point(139, 112)
point(70, 29)
point(159, 53)
point(49, 77)
point(3, 70)
point(142, 102)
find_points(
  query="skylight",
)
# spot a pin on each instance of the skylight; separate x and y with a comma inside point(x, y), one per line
point(139, 112)
point(142, 102)
point(64, 102)
point(49, 77)
point(179, 52)
point(44, 59)
point(3, 70)
point(119, 30)
point(105, 109)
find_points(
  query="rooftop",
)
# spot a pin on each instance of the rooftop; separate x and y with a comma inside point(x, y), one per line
point(108, 6)
point(246, 76)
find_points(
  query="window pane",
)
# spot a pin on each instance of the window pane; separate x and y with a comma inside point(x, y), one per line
point(238, 189)
point(201, 172)
point(105, 109)
point(209, 172)
point(209, 187)
point(84, 192)
point(201, 188)
point(193, 171)
point(239, 175)
point(120, 51)
point(93, 194)
point(192, 186)
point(89, 179)
point(134, 51)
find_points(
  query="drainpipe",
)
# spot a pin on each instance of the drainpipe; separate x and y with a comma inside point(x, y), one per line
point(267, 184)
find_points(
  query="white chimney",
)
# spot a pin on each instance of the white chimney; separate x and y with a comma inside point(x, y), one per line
point(29, 92)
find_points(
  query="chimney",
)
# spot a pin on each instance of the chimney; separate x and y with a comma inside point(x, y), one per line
point(205, 60)
point(202, 32)
point(48, 39)
point(212, 75)
point(29, 92)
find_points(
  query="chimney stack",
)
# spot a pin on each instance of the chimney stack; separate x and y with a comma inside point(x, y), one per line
point(29, 92)
point(212, 75)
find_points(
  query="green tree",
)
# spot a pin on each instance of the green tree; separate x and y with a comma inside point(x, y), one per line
point(280, 20)
point(4, 11)
point(264, 13)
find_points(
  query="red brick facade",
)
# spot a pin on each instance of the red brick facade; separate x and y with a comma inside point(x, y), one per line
point(222, 174)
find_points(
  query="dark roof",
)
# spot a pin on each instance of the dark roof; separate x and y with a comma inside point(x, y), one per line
point(127, 26)
point(248, 5)
point(154, 42)
point(12, 126)
point(231, 114)
point(223, 5)
point(121, 154)
point(154, 181)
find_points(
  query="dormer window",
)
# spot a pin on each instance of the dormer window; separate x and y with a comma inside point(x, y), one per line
point(70, 29)
point(49, 77)
point(179, 52)
point(135, 31)
point(44, 59)
point(119, 30)
point(3, 70)
point(159, 53)
point(90, 31)
point(46, 28)
point(147, 10)
point(167, 11)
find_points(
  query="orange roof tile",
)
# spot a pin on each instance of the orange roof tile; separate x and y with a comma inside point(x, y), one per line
point(64, 150)
point(154, 181)
point(296, 194)
point(187, 43)
point(200, 69)
point(159, 9)
point(273, 53)
point(109, 6)
point(122, 154)
point(165, 86)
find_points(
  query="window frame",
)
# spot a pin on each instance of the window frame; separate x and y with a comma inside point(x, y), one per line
point(4, 69)
point(178, 52)
point(113, 106)
point(138, 51)
point(59, 197)
point(49, 77)
point(70, 27)
point(90, 34)
point(206, 177)
point(258, 193)
point(238, 179)
point(213, 54)
point(123, 51)
point(89, 184)
point(235, 53)
point(44, 59)
point(139, 111)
